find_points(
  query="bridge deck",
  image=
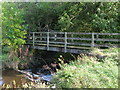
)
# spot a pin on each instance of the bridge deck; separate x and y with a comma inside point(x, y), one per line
point(71, 42)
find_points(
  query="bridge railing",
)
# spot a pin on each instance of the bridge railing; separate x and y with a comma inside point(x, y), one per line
point(73, 39)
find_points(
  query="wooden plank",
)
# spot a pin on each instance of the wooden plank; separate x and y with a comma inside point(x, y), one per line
point(33, 38)
point(101, 45)
point(49, 45)
point(111, 40)
point(57, 32)
point(65, 41)
point(39, 32)
point(56, 37)
point(79, 33)
point(57, 42)
point(47, 40)
point(106, 45)
point(96, 45)
point(92, 42)
point(78, 47)
point(107, 33)
point(39, 47)
point(62, 46)
point(77, 51)
point(39, 37)
point(41, 41)
point(77, 43)
point(87, 39)
point(69, 43)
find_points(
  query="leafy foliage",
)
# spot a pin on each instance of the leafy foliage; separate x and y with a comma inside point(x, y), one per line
point(106, 18)
point(41, 16)
point(13, 25)
point(90, 17)
point(86, 72)
point(77, 17)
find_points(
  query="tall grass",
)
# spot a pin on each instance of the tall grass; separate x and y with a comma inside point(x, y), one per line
point(88, 72)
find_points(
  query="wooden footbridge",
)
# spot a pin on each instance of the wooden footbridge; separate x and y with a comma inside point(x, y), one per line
point(71, 42)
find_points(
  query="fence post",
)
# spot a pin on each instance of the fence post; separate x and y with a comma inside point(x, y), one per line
point(72, 37)
point(40, 35)
point(33, 38)
point(92, 42)
point(47, 40)
point(65, 48)
point(97, 37)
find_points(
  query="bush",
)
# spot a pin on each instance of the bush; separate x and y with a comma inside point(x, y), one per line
point(86, 72)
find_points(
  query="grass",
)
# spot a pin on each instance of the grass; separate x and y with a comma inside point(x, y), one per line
point(87, 72)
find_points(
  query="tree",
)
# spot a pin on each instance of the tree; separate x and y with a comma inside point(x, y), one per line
point(40, 15)
point(13, 27)
point(106, 18)
point(90, 17)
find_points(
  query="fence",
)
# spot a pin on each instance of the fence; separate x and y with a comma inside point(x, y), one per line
point(73, 40)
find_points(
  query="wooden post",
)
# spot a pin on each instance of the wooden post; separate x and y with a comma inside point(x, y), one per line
point(65, 47)
point(40, 38)
point(33, 38)
point(97, 36)
point(72, 37)
point(92, 42)
point(47, 40)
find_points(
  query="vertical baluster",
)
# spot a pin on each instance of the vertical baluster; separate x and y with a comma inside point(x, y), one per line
point(33, 38)
point(47, 40)
point(65, 48)
point(92, 42)
point(97, 36)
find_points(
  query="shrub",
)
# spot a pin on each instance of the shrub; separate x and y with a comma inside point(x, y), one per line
point(86, 72)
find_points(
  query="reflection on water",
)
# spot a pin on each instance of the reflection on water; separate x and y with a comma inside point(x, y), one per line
point(10, 75)
point(23, 76)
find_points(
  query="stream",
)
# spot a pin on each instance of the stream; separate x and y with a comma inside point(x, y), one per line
point(21, 76)
point(10, 75)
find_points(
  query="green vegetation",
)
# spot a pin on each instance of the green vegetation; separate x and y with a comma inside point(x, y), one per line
point(13, 29)
point(41, 16)
point(87, 72)
point(18, 19)
point(13, 25)
point(31, 85)
point(73, 17)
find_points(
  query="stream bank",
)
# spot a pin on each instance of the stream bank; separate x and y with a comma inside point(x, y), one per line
point(25, 76)
point(35, 65)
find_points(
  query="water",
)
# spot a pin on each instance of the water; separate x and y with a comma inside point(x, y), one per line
point(10, 75)
point(37, 77)
point(21, 75)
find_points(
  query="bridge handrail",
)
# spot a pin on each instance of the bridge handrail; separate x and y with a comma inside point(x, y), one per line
point(80, 33)
point(70, 38)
